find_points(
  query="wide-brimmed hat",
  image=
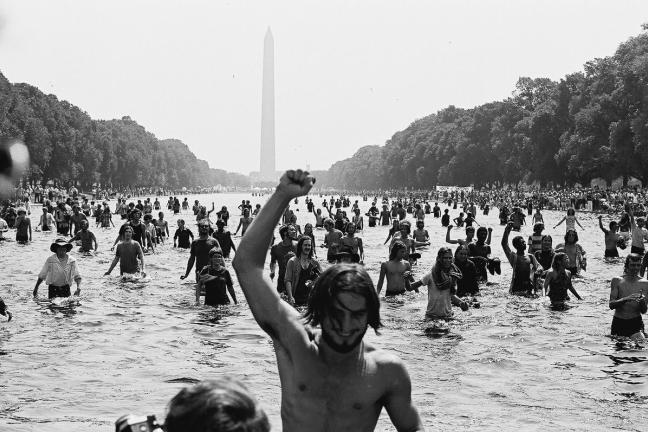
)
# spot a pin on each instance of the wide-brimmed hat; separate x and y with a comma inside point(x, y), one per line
point(60, 242)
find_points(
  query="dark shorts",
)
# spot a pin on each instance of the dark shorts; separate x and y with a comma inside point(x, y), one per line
point(58, 291)
point(637, 250)
point(626, 327)
point(22, 238)
point(611, 253)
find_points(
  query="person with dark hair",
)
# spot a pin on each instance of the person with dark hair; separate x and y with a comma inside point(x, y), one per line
point(301, 271)
point(214, 279)
point(182, 236)
point(222, 405)
point(628, 301)
point(200, 247)
point(612, 239)
point(558, 281)
point(546, 253)
point(441, 283)
point(524, 265)
point(281, 253)
point(467, 285)
point(331, 239)
point(352, 243)
point(331, 379)
point(397, 270)
point(479, 252)
point(224, 238)
point(59, 271)
point(128, 252)
point(576, 253)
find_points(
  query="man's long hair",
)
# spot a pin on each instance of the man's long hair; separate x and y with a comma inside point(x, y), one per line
point(342, 278)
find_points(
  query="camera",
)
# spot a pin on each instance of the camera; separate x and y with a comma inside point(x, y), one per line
point(133, 423)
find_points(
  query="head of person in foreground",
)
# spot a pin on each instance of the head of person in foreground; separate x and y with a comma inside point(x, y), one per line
point(344, 303)
point(221, 405)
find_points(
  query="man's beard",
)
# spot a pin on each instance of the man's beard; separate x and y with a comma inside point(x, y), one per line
point(343, 348)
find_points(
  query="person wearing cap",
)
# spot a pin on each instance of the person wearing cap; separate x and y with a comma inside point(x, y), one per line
point(59, 271)
point(200, 247)
point(23, 226)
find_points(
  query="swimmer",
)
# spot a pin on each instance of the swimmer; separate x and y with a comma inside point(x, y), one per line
point(331, 379)
point(627, 299)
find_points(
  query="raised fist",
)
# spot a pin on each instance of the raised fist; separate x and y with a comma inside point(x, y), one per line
point(295, 183)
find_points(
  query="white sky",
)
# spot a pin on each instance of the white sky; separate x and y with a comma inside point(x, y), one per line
point(347, 73)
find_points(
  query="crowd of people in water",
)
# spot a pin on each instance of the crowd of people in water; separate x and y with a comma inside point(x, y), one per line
point(332, 288)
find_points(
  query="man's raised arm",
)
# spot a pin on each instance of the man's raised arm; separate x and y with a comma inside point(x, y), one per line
point(275, 316)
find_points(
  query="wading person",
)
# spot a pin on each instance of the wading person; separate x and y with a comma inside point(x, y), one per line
point(331, 379)
point(627, 299)
point(127, 254)
point(59, 271)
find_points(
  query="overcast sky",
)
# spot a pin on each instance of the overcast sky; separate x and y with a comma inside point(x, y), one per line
point(347, 73)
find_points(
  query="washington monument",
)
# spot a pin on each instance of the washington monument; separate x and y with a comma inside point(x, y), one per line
point(267, 166)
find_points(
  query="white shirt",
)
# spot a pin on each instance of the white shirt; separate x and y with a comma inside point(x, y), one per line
point(54, 273)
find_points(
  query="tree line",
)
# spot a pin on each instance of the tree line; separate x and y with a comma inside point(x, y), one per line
point(67, 146)
point(589, 124)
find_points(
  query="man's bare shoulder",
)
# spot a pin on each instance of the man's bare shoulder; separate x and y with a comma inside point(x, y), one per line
point(385, 361)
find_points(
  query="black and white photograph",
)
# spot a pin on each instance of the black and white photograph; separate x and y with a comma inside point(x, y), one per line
point(308, 216)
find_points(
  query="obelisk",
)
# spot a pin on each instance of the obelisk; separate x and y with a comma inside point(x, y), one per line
point(267, 166)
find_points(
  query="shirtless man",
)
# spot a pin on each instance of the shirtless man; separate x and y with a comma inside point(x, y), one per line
point(420, 234)
point(611, 238)
point(397, 270)
point(331, 380)
point(244, 223)
point(331, 240)
point(627, 299)
point(352, 243)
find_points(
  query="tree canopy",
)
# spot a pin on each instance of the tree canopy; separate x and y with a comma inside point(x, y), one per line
point(65, 144)
point(590, 124)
